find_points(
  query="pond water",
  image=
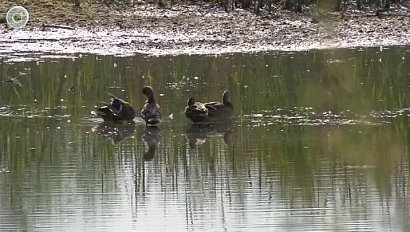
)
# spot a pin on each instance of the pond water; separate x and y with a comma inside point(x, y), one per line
point(320, 141)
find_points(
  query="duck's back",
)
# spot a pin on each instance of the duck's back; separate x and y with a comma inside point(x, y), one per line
point(217, 110)
point(127, 112)
point(197, 112)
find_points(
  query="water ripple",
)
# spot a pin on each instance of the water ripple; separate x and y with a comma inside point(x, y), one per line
point(308, 117)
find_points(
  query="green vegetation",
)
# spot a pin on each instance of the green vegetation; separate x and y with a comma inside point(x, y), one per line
point(268, 5)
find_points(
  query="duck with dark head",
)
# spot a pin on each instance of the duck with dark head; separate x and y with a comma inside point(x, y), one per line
point(117, 110)
point(151, 112)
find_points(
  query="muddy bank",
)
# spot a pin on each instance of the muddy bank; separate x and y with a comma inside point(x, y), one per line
point(198, 29)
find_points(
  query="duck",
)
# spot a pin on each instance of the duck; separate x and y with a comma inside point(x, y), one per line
point(196, 111)
point(151, 111)
point(117, 110)
point(209, 112)
point(221, 110)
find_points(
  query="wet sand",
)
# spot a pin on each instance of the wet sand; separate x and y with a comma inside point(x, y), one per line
point(199, 29)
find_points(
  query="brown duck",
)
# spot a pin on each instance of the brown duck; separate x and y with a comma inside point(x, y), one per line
point(151, 112)
point(210, 112)
point(196, 111)
point(221, 111)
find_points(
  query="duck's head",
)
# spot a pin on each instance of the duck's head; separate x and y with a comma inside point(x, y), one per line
point(191, 101)
point(149, 92)
point(226, 96)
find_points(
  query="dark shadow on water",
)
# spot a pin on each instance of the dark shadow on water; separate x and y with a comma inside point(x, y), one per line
point(198, 134)
point(152, 137)
point(115, 131)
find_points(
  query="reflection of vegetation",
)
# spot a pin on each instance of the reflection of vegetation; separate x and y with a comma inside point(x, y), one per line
point(311, 156)
point(46, 145)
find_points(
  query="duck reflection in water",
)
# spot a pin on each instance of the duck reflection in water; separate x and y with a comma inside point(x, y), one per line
point(115, 131)
point(198, 134)
point(152, 137)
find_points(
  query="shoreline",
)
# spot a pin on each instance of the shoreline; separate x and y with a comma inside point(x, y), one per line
point(199, 29)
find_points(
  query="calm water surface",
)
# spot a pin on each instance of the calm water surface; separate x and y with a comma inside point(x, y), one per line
point(320, 141)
